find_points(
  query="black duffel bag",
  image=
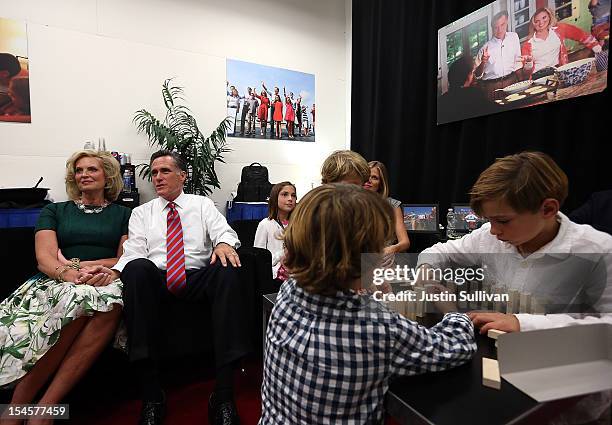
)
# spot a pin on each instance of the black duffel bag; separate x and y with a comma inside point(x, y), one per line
point(254, 185)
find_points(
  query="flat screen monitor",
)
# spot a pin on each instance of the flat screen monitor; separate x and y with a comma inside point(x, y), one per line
point(465, 219)
point(421, 218)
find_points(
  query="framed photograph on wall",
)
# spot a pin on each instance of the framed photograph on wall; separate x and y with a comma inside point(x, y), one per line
point(14, 72)
point(265, 102)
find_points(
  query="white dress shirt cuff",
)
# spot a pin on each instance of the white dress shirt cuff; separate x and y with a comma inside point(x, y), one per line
point(231, 241)
point(120, 265)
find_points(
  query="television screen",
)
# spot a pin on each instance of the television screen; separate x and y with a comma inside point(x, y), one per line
point(421, 217)
point(520, 53)
point(465, 219)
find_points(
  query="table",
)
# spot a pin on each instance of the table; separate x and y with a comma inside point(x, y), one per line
point(18, 217)
point(595, 83)
point(457, 396)
point(246, 211)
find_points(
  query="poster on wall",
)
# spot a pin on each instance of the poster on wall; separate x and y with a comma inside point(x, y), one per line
point(519, 53)
point(264, 102)
point(14, 72)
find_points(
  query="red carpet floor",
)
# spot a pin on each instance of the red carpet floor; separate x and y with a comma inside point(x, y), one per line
point(187, 402)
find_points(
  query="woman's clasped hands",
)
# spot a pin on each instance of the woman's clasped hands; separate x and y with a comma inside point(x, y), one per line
point(95, 276)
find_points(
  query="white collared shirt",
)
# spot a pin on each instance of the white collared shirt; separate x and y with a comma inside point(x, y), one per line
point(543, 273)
point(504, 57)
point(204, 227)
point(545, 52)
point(269, 236)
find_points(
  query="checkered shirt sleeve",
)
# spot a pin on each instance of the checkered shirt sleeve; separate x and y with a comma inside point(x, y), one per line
point(328, 360)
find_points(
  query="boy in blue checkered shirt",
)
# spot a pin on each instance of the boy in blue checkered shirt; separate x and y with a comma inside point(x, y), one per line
point(331, 352)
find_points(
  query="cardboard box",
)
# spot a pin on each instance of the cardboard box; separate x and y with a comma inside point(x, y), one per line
point(558, 363)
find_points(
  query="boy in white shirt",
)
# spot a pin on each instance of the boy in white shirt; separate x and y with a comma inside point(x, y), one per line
point(527, 243)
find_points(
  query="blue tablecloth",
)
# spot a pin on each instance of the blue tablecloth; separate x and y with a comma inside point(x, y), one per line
point(246, 211)
point(19, 217)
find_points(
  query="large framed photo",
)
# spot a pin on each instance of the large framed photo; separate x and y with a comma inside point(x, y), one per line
point(264, 102)
point(14, 72)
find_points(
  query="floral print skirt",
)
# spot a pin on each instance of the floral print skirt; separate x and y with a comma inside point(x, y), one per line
point(32, 317)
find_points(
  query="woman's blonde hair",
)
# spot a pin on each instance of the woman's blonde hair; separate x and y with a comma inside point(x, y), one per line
point(523, 180)
point(112, 174)
point(383, 187)
point(551, 15)
point(341, 164)
point(347, 221)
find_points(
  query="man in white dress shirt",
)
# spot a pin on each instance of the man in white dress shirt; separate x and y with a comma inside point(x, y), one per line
point(181, 246)
point(499, 58)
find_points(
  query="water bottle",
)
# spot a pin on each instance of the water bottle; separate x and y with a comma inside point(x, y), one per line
point(450, 224)
point(101, 144)
point(127, 180)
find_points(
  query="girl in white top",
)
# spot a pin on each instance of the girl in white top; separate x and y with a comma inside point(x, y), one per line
point(270, 230)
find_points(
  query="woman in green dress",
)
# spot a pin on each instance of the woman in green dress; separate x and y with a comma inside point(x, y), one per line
point(57, 323)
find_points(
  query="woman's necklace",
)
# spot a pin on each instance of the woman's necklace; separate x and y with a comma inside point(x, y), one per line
point(90, 209)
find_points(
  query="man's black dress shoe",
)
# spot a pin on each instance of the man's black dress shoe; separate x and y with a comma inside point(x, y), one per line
point(222, 413)
point(152, 412)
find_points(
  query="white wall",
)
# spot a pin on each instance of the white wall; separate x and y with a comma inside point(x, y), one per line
point(93, 63)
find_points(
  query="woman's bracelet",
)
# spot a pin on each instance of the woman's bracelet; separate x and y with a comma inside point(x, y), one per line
point(75, 264)
point(60, 278)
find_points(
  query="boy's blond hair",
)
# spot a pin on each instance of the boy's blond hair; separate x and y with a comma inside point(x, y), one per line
point(523, 180)
point(329, 230)
point(341, 164)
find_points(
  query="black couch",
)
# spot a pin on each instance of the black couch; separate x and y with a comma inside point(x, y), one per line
point(185, 347)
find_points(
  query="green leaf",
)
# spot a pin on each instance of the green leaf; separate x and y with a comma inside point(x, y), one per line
point(7, 320)
point(13, 352)
point(179, 132)
point(54, 337)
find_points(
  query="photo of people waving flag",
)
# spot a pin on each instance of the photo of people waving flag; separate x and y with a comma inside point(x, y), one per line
point(265, 102)
point(520, 53)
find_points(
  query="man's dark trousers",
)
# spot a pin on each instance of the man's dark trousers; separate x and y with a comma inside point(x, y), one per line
point(216, 287)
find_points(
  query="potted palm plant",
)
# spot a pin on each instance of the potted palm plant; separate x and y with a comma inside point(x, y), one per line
point(179, 132)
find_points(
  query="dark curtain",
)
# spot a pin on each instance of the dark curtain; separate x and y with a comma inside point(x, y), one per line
point(394, 84)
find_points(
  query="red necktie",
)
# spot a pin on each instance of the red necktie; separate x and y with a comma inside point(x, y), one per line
point(175, 265)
